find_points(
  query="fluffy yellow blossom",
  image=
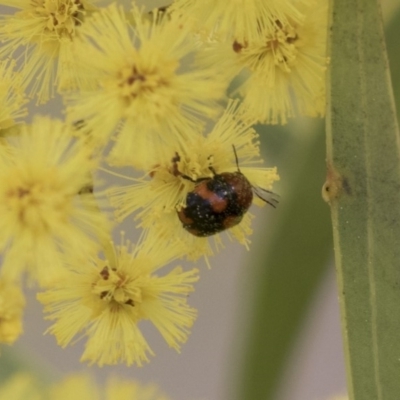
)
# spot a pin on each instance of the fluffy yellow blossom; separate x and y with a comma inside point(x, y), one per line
point(12, 303)
point(283, 69)
point(237, 19)
point(114, 388)
point(11, 95)
point(160, 194)
point(70, 386)
point(20, 387)
point(287, 69)
point(105, 300)
point(23, 386)
point(41, 173)
point(149, 88)
point(125, 390)
point(47, 32)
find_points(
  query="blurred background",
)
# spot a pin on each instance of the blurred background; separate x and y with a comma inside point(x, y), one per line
point(269, 317)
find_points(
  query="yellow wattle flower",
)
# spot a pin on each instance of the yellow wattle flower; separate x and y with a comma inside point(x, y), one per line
point(12, 97)
point(46, 31)
point(113, 389)
point(287, 69)
point(156, 197)
point(106, 300)
point(282, 70)
point(42, 172)
point(23, 386)
point(20, 386)
point(150, 91)
point(12, 304)
point(237, 19)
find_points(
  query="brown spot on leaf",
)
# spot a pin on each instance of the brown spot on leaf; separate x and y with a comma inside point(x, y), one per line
point(334, 185)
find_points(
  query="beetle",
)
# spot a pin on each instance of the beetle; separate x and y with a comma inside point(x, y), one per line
point(217, 203)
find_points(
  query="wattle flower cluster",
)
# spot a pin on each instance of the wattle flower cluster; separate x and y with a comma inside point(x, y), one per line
point(150, 92)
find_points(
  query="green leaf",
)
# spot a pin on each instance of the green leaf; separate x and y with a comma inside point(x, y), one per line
point(363, 188)
point(392, 40)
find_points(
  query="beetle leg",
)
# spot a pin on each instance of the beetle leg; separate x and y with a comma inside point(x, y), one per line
point(212, 170)
point(175, 170)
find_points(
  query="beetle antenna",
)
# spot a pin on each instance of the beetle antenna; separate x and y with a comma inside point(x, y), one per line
point(236, 158)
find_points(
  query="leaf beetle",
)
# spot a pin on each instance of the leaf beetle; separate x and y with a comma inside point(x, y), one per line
point(217, 203)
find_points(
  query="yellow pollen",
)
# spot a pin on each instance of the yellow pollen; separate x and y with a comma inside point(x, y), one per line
point(112, 288)
point(282, 45)
point(32, 201)
point(61, 16)
point(135, 81)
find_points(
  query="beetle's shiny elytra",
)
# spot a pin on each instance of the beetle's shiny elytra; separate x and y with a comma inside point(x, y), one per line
point(216, 203)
